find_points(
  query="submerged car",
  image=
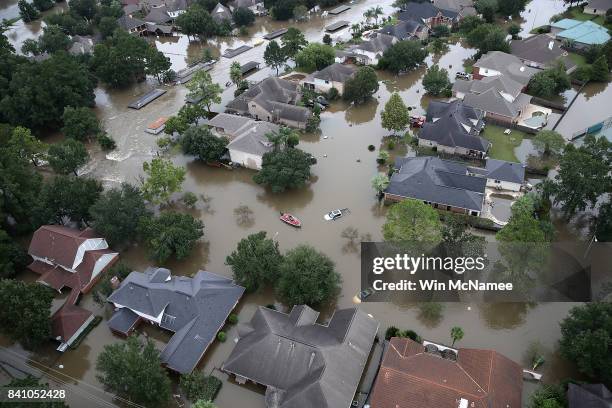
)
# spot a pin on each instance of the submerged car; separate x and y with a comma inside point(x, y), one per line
point(335, 214)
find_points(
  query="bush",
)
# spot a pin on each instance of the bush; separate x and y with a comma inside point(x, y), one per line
point(392, 331)
point(106, 142)
point(411, 334)
point(582, 74)
point(333, 94)
point(198, 386)
point(189, 199)
point(371, 148)
point(391, 145)
point(233, 318)
point(222, 336)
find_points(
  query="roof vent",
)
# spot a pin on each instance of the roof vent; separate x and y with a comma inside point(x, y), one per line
point(463, 403)
point(551, 45)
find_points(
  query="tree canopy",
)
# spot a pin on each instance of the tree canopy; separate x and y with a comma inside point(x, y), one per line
point(549, 142)
point(307, 277)
point(67, 156)
point(243, 17)
point(403, 56)
point(255, 262)
point(13, 258)
point(134, 371)
point(362, 86)
point(170, 234)
point(549, 82)
point(315, 57)
point(284, 169)
point(548, 396)
point(197, 21)
point(116, 213)
point(412, 221)
point(80, 123)
point(488, 37)
point(395, 116)
point(25, 312)
point(436, 81)
point(204, 90)
point(293, 41)
point(200, 142)
point(274, 56)
point(163, 179)
point(68, 198)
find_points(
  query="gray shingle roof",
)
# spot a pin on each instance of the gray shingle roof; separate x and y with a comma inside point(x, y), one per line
point(220, 13)
point(454, 124)
point(403, 29)
point(230, 123)
point(492, 101)
point(423, 11)
point(252, 138)
point(128, 23)
point(589, 396)
point(505, 171)
point(377, 44)
point(438, 181)
point(304, 364)
point(194, 309)
point(176, 5)
point(123, 320)
point(542, 49)
point(336, 72)
point(508, 64)
point(600, 4)
point(463, 7)
point(158, 16)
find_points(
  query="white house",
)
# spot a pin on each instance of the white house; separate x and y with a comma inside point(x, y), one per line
point(369, 52)
point(503, 175)
point(333, 76)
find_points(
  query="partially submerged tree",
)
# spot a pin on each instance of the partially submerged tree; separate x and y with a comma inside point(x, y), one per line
point(436, 81)
point(284, 169)
point(362, 86)
point(203, 90)
point(549, 142)
point(200, 142)
point(395, 117)
point(412, 221)
point(274, 56)
point(456, 334)
point(163, 179)
point(80, 123)
point(293, 41)
point(170, 234)
point(403, 56)
point(68, 198)
point(66, 157)
point(315, 57)
point(380, 182)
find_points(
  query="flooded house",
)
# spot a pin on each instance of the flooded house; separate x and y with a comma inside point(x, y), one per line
point(131, 24)
point(504, 175)
point(443, 184)
point(273, 100)
point(369, 52)
point(598, 7)
point(406, 30)
point(541, 51)
point(454, 128)
point(302, 363)
point(332, 76)
point(413, 375)
point(578, 34)
point(193, 308)
point(462, 7)
point(221, 14)
point(256, 6)
point(69, 258)
point(588, 396)
point(427, 13)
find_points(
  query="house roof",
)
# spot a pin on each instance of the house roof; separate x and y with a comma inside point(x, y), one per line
point(378, 43)
point(505, 171)
point(454, 124)
point(158, 15)
point(508, 65)
point(244, 3)
point(123, 320)
point(337, 25)
point(586, 32)
point(127, 23)
point(220, 13)
point(131, 8)
point(67, 321)
point(229, 123)
point(542, 49)
point(252, 138)
point(249, 66)
point(57, 243)
point(403, 29)
point(176, 5)
point(412, 377)
point(335, 72)
point(194, 309)
point(422, 11)
point(438, 181)
point(463, 7)
point(499, 83)
point(600, 4)
point(493, 101)
point(304, 364)
point(589, 396)
point(565, 23)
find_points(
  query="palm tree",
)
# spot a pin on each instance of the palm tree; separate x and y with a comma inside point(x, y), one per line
point(456, 334)
point(377, 11)
point(355, 29)
point(380, 182)
point(369, 14)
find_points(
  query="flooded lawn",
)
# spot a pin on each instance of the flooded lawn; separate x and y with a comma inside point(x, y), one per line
point(341, 179)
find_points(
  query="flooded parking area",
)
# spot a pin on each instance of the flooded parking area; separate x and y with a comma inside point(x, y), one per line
point(341, 179)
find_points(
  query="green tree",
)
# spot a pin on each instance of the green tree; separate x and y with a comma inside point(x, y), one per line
point(284, 169)
point(548, 396)
point(53, 39)
point(243, 17)
point(116, 213)
point(134, 371)
point(586, 340)
point(196, 21)
point(30, 47)
point(84, 8)
point(255, 262)
point(235, 72)
point(27, 11)
point(395, 116)
point(327, 40)
point(200, 142)
point(603, 223)
point(549, 82)
point(468, 23)
point(293, 41)
point(549, 142)
point(456, 334)
point(431, 311)
point(362, 86)
point(199, 387)
point(299, 12)
point(204, 90)
point(488, 37)
point(600, 71)
point(163, 179)
point(514, 30)
point(380, 182)
point(176, 124)
point(25, 146)
point(274, 56)
point(25, 312)
point(67, 156)
point(413, 221)
point(69, 198)
point(121, 59)
point(441, 30)
point(487, 8)
point(204, 404)
point(107, 26)
point(80, 123)
point(307, 277)
point(511, 7)
point(458, 239)
point(403, 56)
point(169, 234)
point(584, 175)
point(157, 64)
point(314, 57)
point(13, 258)
point(436, 80)
point(32, 382)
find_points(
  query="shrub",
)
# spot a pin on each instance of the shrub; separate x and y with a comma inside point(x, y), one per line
point(222, 336)
point(371, 148)
point(233, 318)
point(391, 145)
point(392, 331)
point(198, 386)
point(411, 334)
point(189, 199)
point(106, 142)
point(582, 74)
point(333, 94)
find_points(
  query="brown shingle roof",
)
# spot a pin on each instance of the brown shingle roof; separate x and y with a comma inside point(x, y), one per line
point(410, 377)
point(68, 320)
point(56, 243)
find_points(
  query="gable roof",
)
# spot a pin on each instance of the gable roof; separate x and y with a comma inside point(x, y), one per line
point(304, 364)
point(194, 309)
point(454, 124)
point(587, 32)
point(378, 43)
point(244, 3)
point(158, 15)
point(176, 5)
point(508, 65)
point(492, 101)
point(127, 23)
point(589, 396)
point(335, 72)
point(220, 13)
point(505, 171)
point(423, 11)
point(252, 138)
point(229, 123)
point(403, 29)
point(565, 23)
point(463, 7)
point(542, 49)
point(438, 181)
point(67, 321)
point(412, 377)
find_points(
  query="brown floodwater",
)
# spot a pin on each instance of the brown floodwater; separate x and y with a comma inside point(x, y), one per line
point(341, 179)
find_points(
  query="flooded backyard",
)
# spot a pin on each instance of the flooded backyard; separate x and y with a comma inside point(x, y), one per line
point(341, 178)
